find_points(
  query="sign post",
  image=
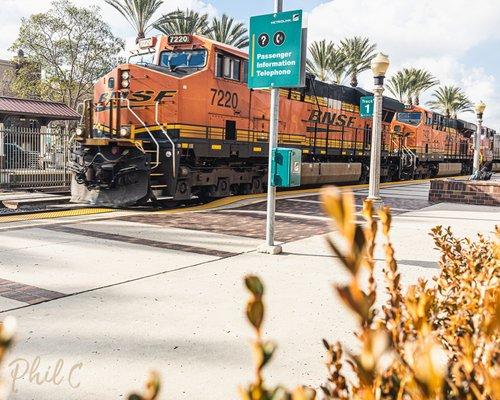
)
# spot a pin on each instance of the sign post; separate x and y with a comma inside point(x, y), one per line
point(276, 59)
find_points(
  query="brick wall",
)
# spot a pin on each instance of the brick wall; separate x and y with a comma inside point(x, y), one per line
point(467, 192)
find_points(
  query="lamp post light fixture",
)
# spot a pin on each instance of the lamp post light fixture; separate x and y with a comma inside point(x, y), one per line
point(379, 66)
point(480, 107)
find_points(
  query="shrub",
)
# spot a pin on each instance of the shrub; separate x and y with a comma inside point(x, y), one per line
point(438, 341)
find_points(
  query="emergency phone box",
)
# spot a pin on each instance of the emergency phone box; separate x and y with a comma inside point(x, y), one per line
point(286, 167)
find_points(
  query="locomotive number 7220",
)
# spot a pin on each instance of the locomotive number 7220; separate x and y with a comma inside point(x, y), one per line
point(223, 98)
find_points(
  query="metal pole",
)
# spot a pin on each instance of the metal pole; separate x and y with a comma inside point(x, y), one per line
point(477, 144)
point(374, 183)
point(269, 246)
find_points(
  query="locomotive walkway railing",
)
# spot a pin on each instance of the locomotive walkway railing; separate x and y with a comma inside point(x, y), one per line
point(34, 158)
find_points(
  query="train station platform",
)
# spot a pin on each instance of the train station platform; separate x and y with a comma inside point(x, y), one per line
point(120, 293)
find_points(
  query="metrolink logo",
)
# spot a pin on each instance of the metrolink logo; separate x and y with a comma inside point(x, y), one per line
point(329, 118)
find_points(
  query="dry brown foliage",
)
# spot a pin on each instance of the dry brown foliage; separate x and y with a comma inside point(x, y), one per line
point(436, 341)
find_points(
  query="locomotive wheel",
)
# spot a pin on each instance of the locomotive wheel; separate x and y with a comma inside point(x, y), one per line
point(243, 188)
point(204, 194)
point(257, 186)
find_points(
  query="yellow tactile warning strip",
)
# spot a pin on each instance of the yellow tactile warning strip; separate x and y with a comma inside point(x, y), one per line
point(234, 199)
point(53, 214)
point(214, 204)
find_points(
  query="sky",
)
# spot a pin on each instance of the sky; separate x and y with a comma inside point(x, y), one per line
point(457, 40)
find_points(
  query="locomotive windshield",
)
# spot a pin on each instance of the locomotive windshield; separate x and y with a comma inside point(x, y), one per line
point(412, 118)
point(183, 59)
point(142, 59)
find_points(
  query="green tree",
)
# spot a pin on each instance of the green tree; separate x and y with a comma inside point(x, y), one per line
point(398, 86)
point(358, 52)
point(139, 13)
point(319, 62)
point(338, 64)
point(419, 81)
point(70, 46)
point(408, 84)
point(188, 22)
point(326, 62)
point(463, 104)
point(227, 30)
point(450, 101)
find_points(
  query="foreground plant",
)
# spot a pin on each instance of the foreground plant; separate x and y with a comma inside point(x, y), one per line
point(434, 342)
point(7, 329)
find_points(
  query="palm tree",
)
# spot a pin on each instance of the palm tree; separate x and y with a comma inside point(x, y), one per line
point(188, 22)
point(320, 61)
point(326, 62)
point(463, 104)
point(450, 100)
point(138, 13)
point(338, 63)
point(359, 53)
point(420, 80)
point(408, 84)
point(398, 86)
point(226, 30)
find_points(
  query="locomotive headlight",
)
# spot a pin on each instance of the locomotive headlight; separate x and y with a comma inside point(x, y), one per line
point(168, 154)
point(125, 131)
point(125, 75)
point(125, 83)
point(79, 131)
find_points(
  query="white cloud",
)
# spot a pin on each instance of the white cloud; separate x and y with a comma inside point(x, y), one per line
point(426, 33)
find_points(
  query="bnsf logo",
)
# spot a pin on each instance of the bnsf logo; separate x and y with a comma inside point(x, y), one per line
point(140, 96)
point(329, 118)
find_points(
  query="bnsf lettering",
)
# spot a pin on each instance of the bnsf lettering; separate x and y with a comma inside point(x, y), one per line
point(329, 118)
point(137, 97)
point(143, 95)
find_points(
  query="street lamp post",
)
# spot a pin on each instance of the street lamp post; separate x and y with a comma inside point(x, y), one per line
point(480, 107)
point(379, 66)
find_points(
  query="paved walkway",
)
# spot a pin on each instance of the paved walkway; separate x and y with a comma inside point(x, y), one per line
point(116, 295)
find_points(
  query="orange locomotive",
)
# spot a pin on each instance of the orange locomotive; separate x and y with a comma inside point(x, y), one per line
point(178, 121)
point(435, 145)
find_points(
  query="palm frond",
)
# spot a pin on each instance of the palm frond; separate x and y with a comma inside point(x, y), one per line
point(139, 13)
point(409, 83)
point(227, 30)
point(319, 62)
point(359, 52)
point(450, 100)
point(185, 22)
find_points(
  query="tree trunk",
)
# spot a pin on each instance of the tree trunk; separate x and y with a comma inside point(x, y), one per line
point(354, 80)
point(140, 35)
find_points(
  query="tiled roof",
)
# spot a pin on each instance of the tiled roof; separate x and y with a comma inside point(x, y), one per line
point(36, 108)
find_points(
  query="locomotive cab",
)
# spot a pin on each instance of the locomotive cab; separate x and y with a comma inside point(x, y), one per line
point(127, 139)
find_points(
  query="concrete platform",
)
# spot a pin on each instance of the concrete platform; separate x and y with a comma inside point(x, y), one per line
point(127, 293)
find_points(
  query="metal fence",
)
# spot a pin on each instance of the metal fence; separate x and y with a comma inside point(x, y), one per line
point(34, 159)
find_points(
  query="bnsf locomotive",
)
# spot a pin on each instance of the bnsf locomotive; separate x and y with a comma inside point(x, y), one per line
point(178, 121)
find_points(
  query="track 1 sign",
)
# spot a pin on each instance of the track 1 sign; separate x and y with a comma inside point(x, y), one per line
point(277, 50)
point(366, 107)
